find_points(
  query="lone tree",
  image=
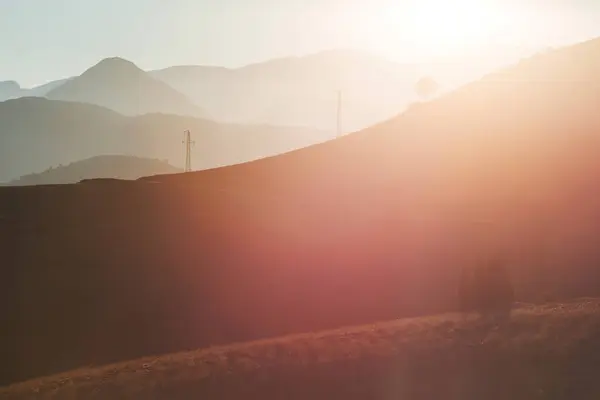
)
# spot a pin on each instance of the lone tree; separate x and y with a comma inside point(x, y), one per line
point(426, 87)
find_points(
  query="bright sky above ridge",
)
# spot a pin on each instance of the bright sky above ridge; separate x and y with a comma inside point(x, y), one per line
point(43, 40)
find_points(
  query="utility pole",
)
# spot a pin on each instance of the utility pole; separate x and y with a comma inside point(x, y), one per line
point(339, 113)
point(188, 150)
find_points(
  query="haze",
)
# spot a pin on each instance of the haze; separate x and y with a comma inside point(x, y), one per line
point(299, 199)
point(67, 36)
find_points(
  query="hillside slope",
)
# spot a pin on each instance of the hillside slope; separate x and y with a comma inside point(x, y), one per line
point(37, 133)
point(121, 86)
point(548, 351)
point(372, 226)
point(105, 166)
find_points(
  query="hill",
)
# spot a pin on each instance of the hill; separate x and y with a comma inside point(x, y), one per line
point(108, 166)
point(121, 86)
point(12, 90)
point(548, 351)
point(36, 133)
point(9, 90)
point(300, 91)
point(372, 226)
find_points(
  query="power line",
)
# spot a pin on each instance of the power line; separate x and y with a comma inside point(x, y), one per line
point(188, 150)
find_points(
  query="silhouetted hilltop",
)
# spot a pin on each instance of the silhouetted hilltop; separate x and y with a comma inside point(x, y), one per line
point(372, 226)
point(106, 166)
point(36, 133)
point(120, 85)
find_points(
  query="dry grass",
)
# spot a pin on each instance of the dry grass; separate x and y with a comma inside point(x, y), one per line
point(549, 352)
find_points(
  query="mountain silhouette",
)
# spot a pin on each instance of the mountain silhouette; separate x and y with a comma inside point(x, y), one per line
point(36, 133)
point(105, 166)
point(121, 86)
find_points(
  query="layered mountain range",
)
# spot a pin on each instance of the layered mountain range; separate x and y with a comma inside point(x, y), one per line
point(297, 91)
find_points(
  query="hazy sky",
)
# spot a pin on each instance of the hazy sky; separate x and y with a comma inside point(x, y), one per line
point(43, 40)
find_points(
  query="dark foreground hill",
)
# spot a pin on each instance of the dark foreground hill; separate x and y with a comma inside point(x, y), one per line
point(373, 226)
point(543, 352)
point(106, 166)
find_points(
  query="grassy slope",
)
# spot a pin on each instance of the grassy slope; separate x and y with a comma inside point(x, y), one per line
point(550, 352)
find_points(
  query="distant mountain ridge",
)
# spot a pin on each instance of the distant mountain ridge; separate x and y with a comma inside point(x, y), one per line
point(303, 90)
point(290, 91)
point(121, 86)
point(300, 91)
point(12, 90)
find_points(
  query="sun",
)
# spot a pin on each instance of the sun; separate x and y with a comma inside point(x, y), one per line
point(440, 27)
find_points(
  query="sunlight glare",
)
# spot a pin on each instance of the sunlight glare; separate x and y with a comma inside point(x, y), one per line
point(441, 27)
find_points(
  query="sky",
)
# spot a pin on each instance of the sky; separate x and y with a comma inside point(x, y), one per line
point(44, 40)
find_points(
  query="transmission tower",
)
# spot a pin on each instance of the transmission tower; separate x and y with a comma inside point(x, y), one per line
point(188, 150)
